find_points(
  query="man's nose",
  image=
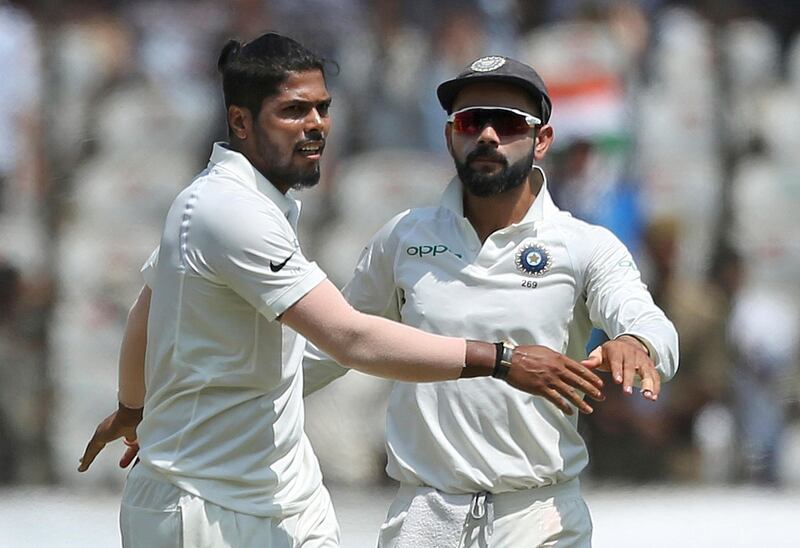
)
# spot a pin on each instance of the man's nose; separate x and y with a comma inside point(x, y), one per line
point(488, 135)
point(314, 120)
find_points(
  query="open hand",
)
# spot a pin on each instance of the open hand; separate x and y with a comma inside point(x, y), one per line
point(543, 372)
point(626, 358)
point(121, 423)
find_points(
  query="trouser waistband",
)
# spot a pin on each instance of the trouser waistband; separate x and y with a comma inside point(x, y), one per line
point(510, 499)
point(484, 506)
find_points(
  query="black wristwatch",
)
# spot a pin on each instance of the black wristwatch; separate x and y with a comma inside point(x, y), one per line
point(502, 361)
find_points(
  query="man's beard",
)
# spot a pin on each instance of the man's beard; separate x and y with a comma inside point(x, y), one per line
point(297, 178)
point(491, 184)
point(307, 180)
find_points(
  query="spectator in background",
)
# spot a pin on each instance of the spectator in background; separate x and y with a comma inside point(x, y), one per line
point(764, 336)
point(700, 310)
point(21, 154)
point(660, 442)
point(24, 247)
point(587, 182)
point(458, 39)
point(25, 397)
point(9, 364)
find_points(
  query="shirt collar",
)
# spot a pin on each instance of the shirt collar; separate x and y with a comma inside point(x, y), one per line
point(236, 163)
point(543, 205)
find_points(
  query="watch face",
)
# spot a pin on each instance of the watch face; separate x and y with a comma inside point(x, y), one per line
point(533, 259)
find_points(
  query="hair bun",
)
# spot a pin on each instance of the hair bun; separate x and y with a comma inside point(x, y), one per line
point(229, 51)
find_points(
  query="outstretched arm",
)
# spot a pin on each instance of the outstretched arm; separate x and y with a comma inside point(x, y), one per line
point(384, 348)
point(131, 390)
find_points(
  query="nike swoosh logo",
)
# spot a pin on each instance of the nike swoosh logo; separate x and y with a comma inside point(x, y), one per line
point(277, 267)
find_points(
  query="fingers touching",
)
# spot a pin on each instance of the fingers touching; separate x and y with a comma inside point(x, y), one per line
point(626, 362)
point(595, 360)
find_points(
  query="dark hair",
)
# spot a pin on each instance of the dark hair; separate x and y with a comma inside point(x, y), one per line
point(253, 71)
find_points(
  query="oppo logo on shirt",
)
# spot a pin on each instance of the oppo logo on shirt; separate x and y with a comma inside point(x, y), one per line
point(432, 250)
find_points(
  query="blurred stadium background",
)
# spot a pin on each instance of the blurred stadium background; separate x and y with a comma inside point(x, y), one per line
point(677, 126)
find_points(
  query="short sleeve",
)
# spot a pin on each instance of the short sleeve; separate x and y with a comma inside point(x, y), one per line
point(249, 246)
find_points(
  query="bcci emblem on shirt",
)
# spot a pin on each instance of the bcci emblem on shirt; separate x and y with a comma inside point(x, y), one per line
point(533, 259)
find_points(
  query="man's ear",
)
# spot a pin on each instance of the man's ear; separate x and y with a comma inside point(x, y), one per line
point(240, 122)
point(544, 138)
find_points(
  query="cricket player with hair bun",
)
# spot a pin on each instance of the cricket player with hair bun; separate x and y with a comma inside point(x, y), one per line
point(211, 378)
point(480, 464)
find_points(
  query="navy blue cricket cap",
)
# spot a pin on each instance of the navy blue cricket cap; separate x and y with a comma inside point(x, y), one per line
point(496, 68)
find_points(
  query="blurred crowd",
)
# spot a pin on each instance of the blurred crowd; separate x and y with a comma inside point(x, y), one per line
point(677, 126)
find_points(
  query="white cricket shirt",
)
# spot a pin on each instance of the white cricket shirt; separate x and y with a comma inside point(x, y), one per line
point(546, 280)
point(223, 415)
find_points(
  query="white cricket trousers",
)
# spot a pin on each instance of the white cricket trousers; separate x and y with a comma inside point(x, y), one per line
point(156, 514)
point(552, 516)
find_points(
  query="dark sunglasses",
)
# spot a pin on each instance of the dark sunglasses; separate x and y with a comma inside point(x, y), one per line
point(506, 122)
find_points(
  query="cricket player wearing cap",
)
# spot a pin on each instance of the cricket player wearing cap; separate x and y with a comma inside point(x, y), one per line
point(224, 461)
point(480, 464)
